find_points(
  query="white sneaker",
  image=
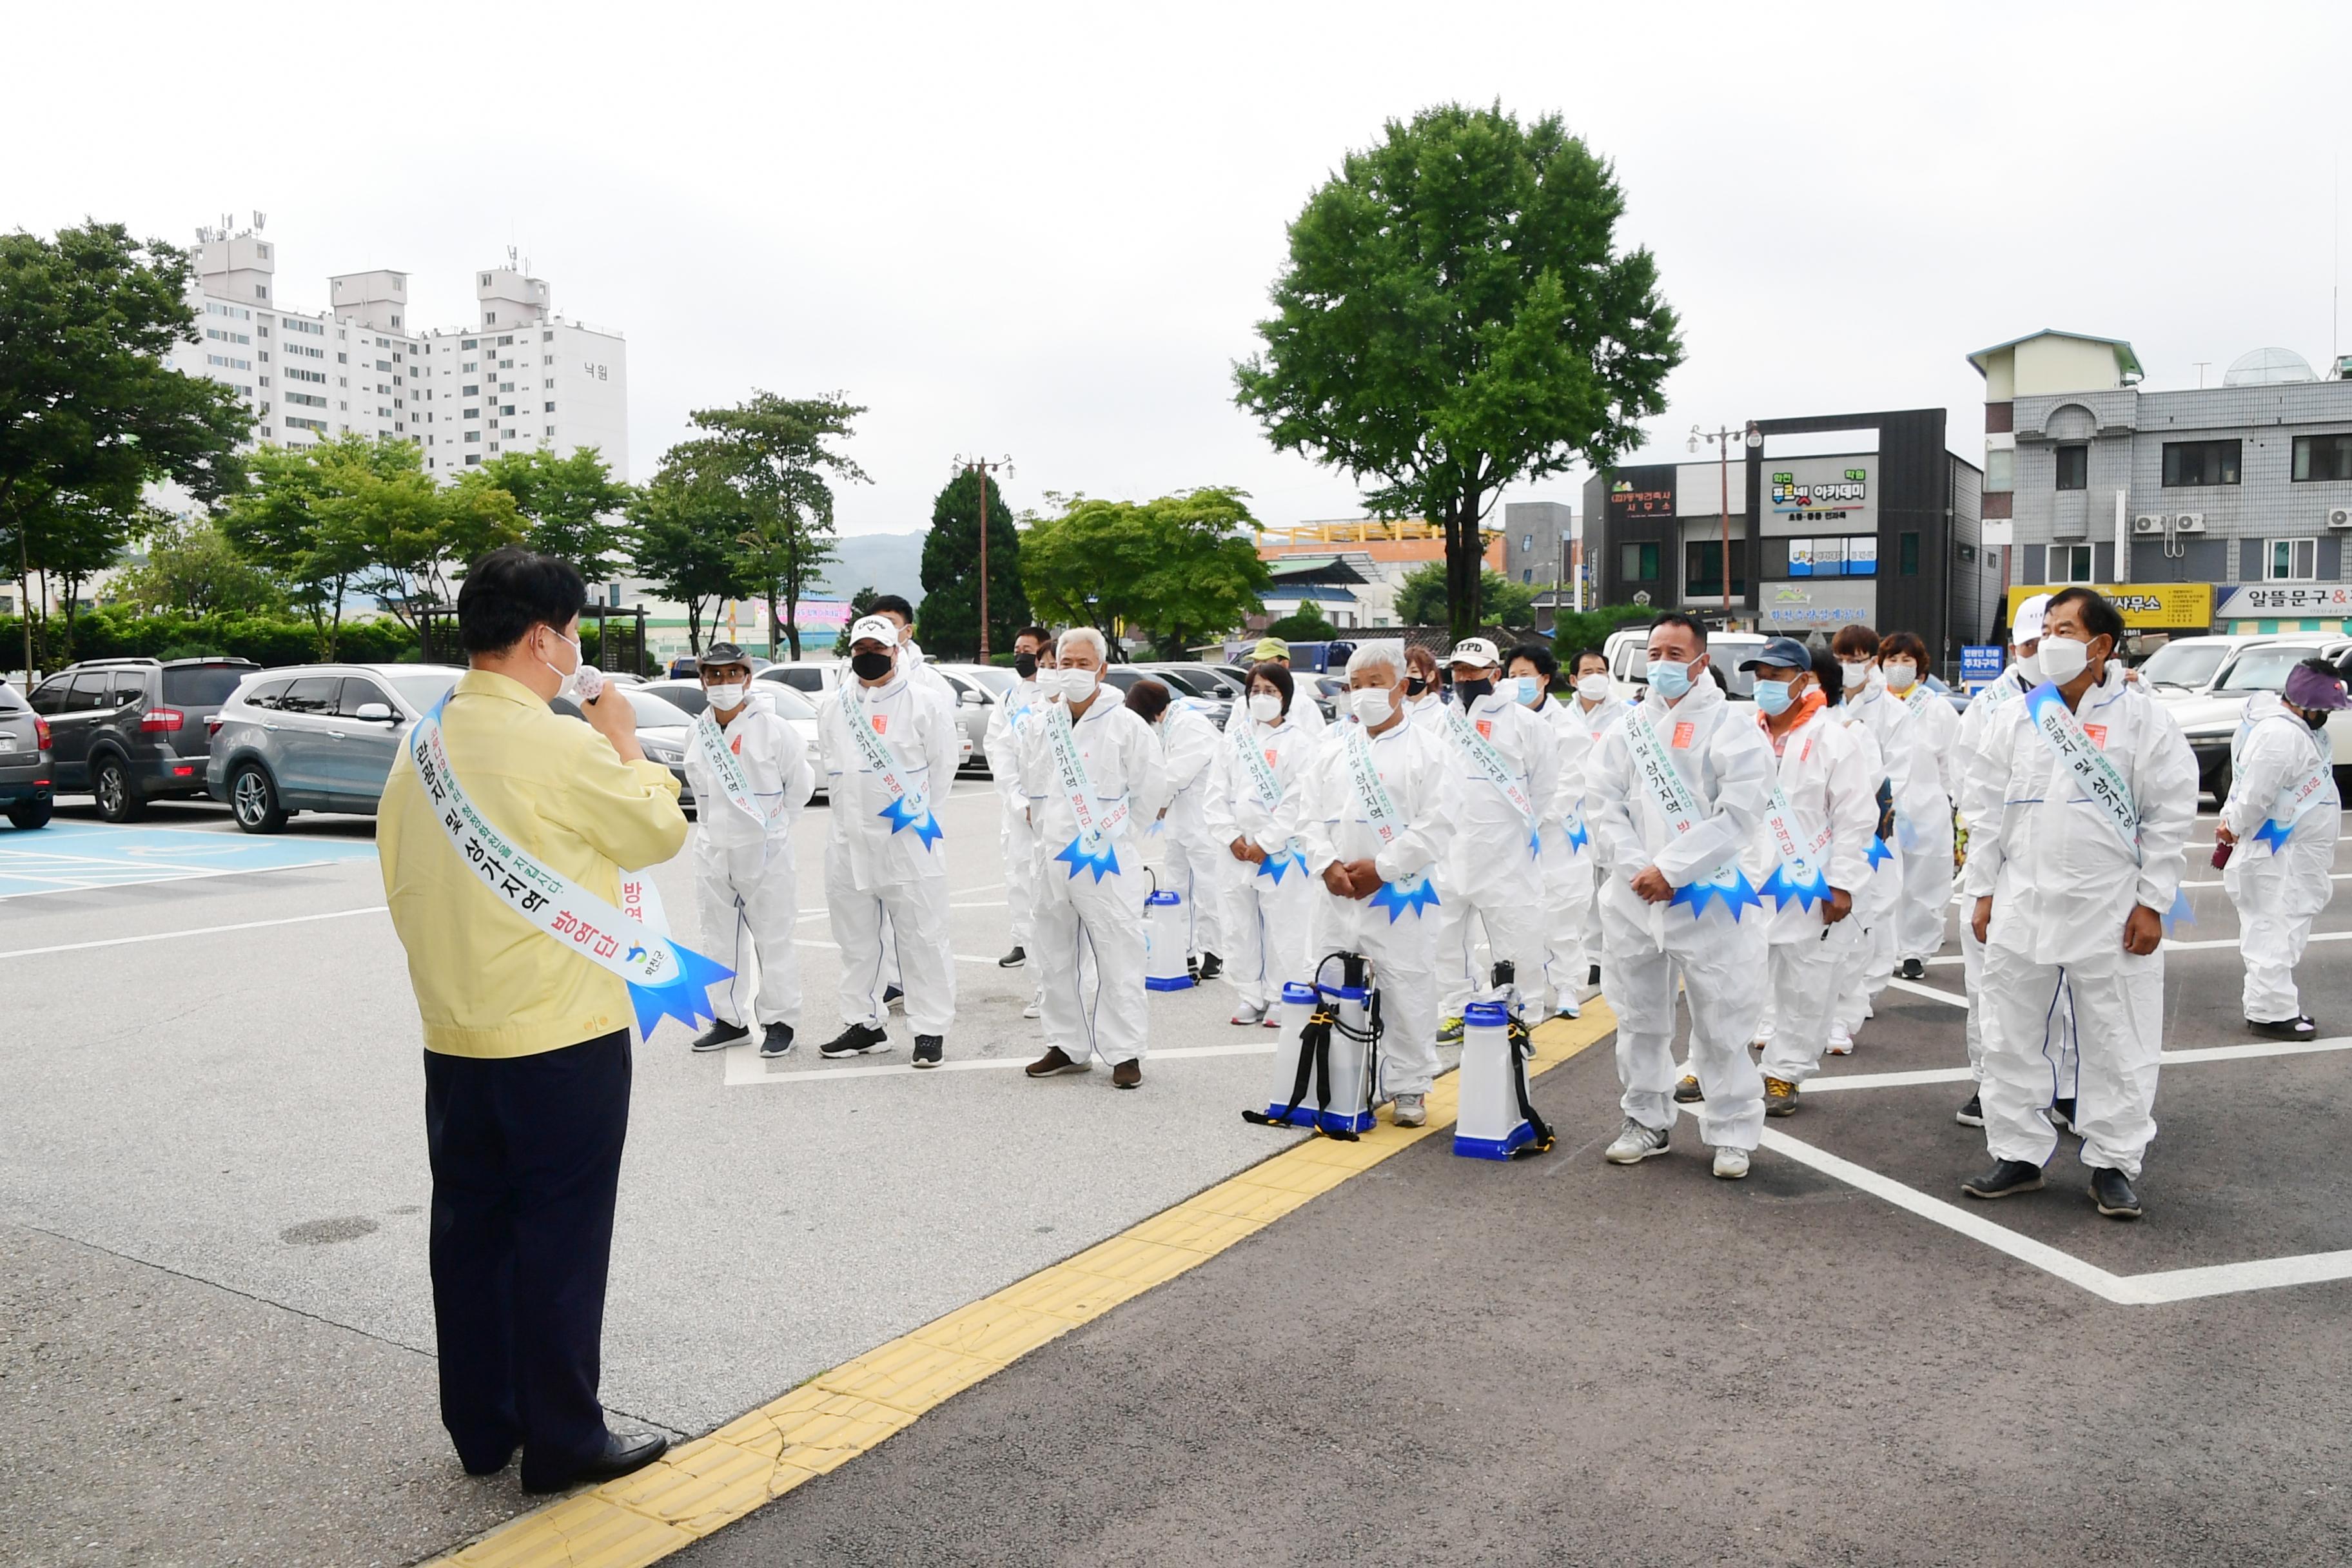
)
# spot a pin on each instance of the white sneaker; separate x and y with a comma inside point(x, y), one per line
point(1730, 1164)
point(1635, 1144)
point(1249, 1015)
point(1841, 1043)
point(1410, 1111)
point(1037, 1008)
point(1568, 1010)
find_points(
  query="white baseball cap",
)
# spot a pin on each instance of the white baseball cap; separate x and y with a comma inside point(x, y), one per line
point(874, 628)
point(2026, 624)
point(1475, 650)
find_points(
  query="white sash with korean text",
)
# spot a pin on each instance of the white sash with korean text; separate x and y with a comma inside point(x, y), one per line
point(725, 766)
point(1489, 762)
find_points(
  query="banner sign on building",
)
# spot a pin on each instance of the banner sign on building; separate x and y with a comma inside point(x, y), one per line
point(2146, 606)
point(1642, 492)
point(1825, 496)
point(2253, 601)
point(1816, 606)
point(1980, 664)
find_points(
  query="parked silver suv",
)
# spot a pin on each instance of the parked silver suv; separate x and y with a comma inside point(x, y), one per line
point(317, 737)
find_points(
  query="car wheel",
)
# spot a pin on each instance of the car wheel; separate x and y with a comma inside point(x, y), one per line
point(28, 814)
point(254, 798)
point(118, 798)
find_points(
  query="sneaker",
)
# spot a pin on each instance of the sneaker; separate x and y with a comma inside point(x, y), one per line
point(1914, 969)
point(927, 1051)
point(1410, 1111)
point(2062, 1114)
point(1128, 1074)
point(1055, 1062)
point(1730, 1164)
point(1249, 1015)
point(1567, 1009)
point(854, 1041)
point(1450, 1032)
point(2006, 1179)
point(777, 1041)
point(2303, 1028)
point(2112, 1191)
point(1779, 1099)
point(1037, 1008)
point(1635, 1144)
point(1841, 1043)
point(892, 994)
point(1592, 975)
point(1013, 960)
point(720, 1036)
point(1211, 967)
point(1686, 1090)
point(1972, 1113)
point(1273, 1019)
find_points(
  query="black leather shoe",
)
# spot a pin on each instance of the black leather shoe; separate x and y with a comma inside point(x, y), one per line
point(2006, 1179)
point(622, 1457)
point(2112, 1191)
point(720, 1036)
point(488, 1464)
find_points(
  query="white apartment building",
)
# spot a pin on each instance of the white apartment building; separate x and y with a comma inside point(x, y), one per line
point(522, 377)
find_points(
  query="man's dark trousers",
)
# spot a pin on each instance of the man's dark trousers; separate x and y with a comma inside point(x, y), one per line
point(526, 1155)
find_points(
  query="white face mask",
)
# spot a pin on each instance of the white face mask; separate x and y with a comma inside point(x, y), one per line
point(1264, 707)
point(1593, 688)
point(1857, 676)
point(2061, 659)
point(2028, 665)
point(1902, 675)
point(1372, 704)
point(726, 698)
point(1070, 685)
point(584, 682)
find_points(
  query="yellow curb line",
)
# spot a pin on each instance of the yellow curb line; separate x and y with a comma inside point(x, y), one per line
point(704, 1485)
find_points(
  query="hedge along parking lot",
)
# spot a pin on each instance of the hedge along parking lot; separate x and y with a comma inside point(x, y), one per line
point(264, 639)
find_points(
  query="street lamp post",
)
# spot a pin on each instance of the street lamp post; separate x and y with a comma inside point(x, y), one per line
point(1723, 438)
point(983, 467)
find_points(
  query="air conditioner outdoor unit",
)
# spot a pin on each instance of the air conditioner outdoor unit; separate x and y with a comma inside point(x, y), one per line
point(2339, 517)
point(2147, 523)
point(2189, 523)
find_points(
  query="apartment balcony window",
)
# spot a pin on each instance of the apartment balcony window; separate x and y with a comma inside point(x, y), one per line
point(2291, 561)
point(2323, 458)
point(2187, 464)
point(2074, 468)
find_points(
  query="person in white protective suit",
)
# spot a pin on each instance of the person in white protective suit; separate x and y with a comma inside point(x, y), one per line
point(1306, 714)
point(1592, 712)
point(2281, 818)
point(1567, 859)
point(1506, 762)
point(912, 661)
point(2073, 879)
point(1809, 856)
point(889, 748)
point(1189, 747)
point(1254, 809)
point(1674, 793)
point(750, 777)
point(1895, 734)
point(1380, 797)
point(1923, 814)
point(1033, 651)
point(1093, 774)
point(1424, 692)
point(1980, 800)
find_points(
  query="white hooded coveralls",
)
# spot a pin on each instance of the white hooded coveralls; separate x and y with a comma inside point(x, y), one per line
point(874, 874)
point(2062, 882)
point(1014, 834)
point(1728, 766)
point(1089, 949)
point(2277, 892)
point(1266, 919)
point(1826, 774)
point(1422, 780)
point(1592, 724)
point(1923, 823)
point(1192, 746)
point(1870, 962)
point(1495, 870)
point(746, 886)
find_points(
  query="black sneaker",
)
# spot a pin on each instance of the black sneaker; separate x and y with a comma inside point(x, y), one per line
point(2062, 1114)
point(1972, 1113)
point(2302, 1028)
point(1686, 1089)
point(854, 1041)
point(892, 994)
point(2112, 1192)
point(1210, 966)
point(720, 1036)
point(1914, 969)
point(2006, 1179)
point(928, 1048)
point(776, 1042)
point(1013, 960)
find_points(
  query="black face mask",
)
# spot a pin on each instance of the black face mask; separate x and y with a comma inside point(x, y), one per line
point(871, 666)
point(1469, 691)
point(1024, 664)
point(1414, 686)
point(2315, 717)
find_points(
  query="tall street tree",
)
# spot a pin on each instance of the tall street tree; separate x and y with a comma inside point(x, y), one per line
point(1455, 317)
point(572, 507)
point(774, 452)
point(948, 622)
point(89, 414)
point(683, 528)
point(1177, 568)
point(277, 523)
point(192, 569)
point(1420, 598)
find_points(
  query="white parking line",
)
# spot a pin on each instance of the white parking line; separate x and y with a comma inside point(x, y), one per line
point(2249, 1051)
point(193, 930)
point(744, 1067)
point(1953, 997)
point(829, 947)
point(94, 881)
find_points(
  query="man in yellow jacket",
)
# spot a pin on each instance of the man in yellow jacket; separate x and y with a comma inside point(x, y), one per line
point(527, 1057)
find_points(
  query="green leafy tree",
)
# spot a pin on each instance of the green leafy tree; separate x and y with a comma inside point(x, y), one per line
point(860, 602)
point(772, 452)
point(1454, 317)
point(571, 506)
point(948, 621)
point(1177, 568)
point(277, 523)
point(1422, 599)
point(1306, 625)
point(192, 569)
point(89, 414)
point(684, 525)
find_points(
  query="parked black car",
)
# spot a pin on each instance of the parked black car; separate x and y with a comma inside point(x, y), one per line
point(26, 792)
point(128, 731)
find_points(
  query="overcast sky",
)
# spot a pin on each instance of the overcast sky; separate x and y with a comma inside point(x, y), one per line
point(1046, 231)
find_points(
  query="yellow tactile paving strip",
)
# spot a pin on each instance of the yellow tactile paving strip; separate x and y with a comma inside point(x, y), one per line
point(704, 1485)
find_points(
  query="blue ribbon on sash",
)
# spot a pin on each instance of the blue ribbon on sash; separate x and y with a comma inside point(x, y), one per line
point(1103, 862)
point(1737, 894)
point(1280, 863)
point(1412, 897)
point(902, 816)
point(1783, 888)
point(1878, 853)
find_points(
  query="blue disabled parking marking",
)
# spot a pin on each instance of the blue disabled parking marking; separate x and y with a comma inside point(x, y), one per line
point(80, 857)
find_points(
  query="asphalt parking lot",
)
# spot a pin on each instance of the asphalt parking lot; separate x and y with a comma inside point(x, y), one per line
point(215, 1329)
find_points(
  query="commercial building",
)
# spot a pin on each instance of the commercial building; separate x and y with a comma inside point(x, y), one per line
point(2224, 507)
point(1845, 518)
point(521, 378)
point(1352, 569)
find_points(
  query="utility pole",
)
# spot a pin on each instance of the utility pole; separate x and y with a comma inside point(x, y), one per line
point(1723, 440)
point(983, 466)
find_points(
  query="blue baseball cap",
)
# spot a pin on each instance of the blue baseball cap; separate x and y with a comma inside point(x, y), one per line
point(1784, 652)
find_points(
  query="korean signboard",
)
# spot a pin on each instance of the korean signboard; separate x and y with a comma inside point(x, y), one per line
point(1647, 492)
point(2146, 606)
point(1830, 495)
point(1816, 606)
point(2252, 600)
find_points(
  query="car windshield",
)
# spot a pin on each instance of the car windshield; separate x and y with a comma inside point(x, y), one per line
point(655, 712)
point(202, 685)
point(2189, 663)
point(422, 689)
point(998, 681)
point(2263, 669)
